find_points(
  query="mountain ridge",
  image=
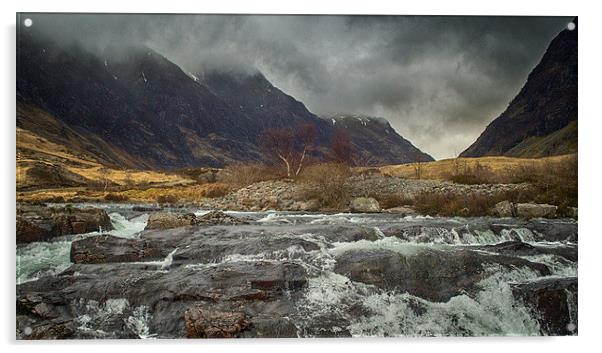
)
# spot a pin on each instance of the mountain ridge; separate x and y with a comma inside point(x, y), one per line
point(546, 104)
point(140, 110)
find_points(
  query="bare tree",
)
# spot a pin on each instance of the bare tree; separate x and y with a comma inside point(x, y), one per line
point(305, 136)
point(289, 146)
point(104, 177)
point(341, 148)
point(418, 167)
point(279, 143)
point(128, 181)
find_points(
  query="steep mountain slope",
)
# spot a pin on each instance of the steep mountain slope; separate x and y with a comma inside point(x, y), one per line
point(263, 103)
point(134, 108)
point(371, 133)
point(374, 141)
point(542, 119)
point(139, 103)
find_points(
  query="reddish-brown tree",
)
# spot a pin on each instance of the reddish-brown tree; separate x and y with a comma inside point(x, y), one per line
point(289, 146)
point(341, 148)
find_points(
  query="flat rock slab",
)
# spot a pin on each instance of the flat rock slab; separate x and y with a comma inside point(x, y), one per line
point(108, 248)
point(168, 220)
point(263, 291)
point(427, 273)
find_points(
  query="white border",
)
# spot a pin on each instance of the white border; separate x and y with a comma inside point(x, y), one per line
point(590, 170)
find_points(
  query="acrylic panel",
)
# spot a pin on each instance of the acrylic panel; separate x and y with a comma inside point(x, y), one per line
point(277, 176)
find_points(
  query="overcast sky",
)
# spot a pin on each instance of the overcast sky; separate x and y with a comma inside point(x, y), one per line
point(438, 80)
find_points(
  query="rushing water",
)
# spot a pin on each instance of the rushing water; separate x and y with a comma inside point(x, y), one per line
point(332, 302)
point(39, 259)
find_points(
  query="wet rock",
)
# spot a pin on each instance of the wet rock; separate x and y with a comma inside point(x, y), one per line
point(518, 248)
point(110, 293)
point(108, 248)
point(39, 223)
point(364, 204)
point(204, 323)
point(28, 232)
point(167, 220)
point(214, 249)
point(146, 209)
point(53, 330)
point(427, 273)
point(554, 302)
point(218, 217)
point(533, 210)
point(505, 209)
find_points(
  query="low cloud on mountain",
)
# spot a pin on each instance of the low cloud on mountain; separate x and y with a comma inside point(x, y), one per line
point(438, 80)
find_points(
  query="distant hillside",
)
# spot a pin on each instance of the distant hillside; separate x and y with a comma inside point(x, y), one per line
point(542, 119)
point(373, 133)
point(139, 110)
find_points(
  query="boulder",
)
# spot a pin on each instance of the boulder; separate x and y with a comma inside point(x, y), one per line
point(572, 212)
point(28, 232)
point(146, 209)
point(78, 221)
point(534, 210)
point(430, 274)
point(218, 217)
point(110, 249)
point(505, 209)
point(40, 223)
point(364, 204)
point(167, 220)
point(205, 323)
point(554, 300)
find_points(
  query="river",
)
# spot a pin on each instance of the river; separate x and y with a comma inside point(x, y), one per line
point(311, 275)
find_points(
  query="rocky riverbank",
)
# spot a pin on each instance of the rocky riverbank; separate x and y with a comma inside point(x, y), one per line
point(290, 196)
point(308, 275)
point(40, 223)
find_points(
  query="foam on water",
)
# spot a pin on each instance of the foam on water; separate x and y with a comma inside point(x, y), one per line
point(558, 265)
point(41, 259)
point(364, 310)
point(127, 228)
point(97, 319)
point(387, 243)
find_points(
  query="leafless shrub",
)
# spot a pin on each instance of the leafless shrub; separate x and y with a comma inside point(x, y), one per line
point(465, 204)
point(167, 199)
point(115, 197)
point(327, 182)
point(216, 190)
point(391, 200)
point(240, 175)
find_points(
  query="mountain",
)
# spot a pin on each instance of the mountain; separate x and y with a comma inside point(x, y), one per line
point(374, 141)
point(140, 105)
point(542, 119)
point(373, 133)
point(134, 108)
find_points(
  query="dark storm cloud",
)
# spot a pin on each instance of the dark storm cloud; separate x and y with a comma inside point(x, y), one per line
point(438, 80)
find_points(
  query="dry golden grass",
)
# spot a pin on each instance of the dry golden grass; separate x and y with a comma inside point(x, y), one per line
point(239, 175)
point(175, 194)
point(29, 143)
point(441, 170)
point(129, 177)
